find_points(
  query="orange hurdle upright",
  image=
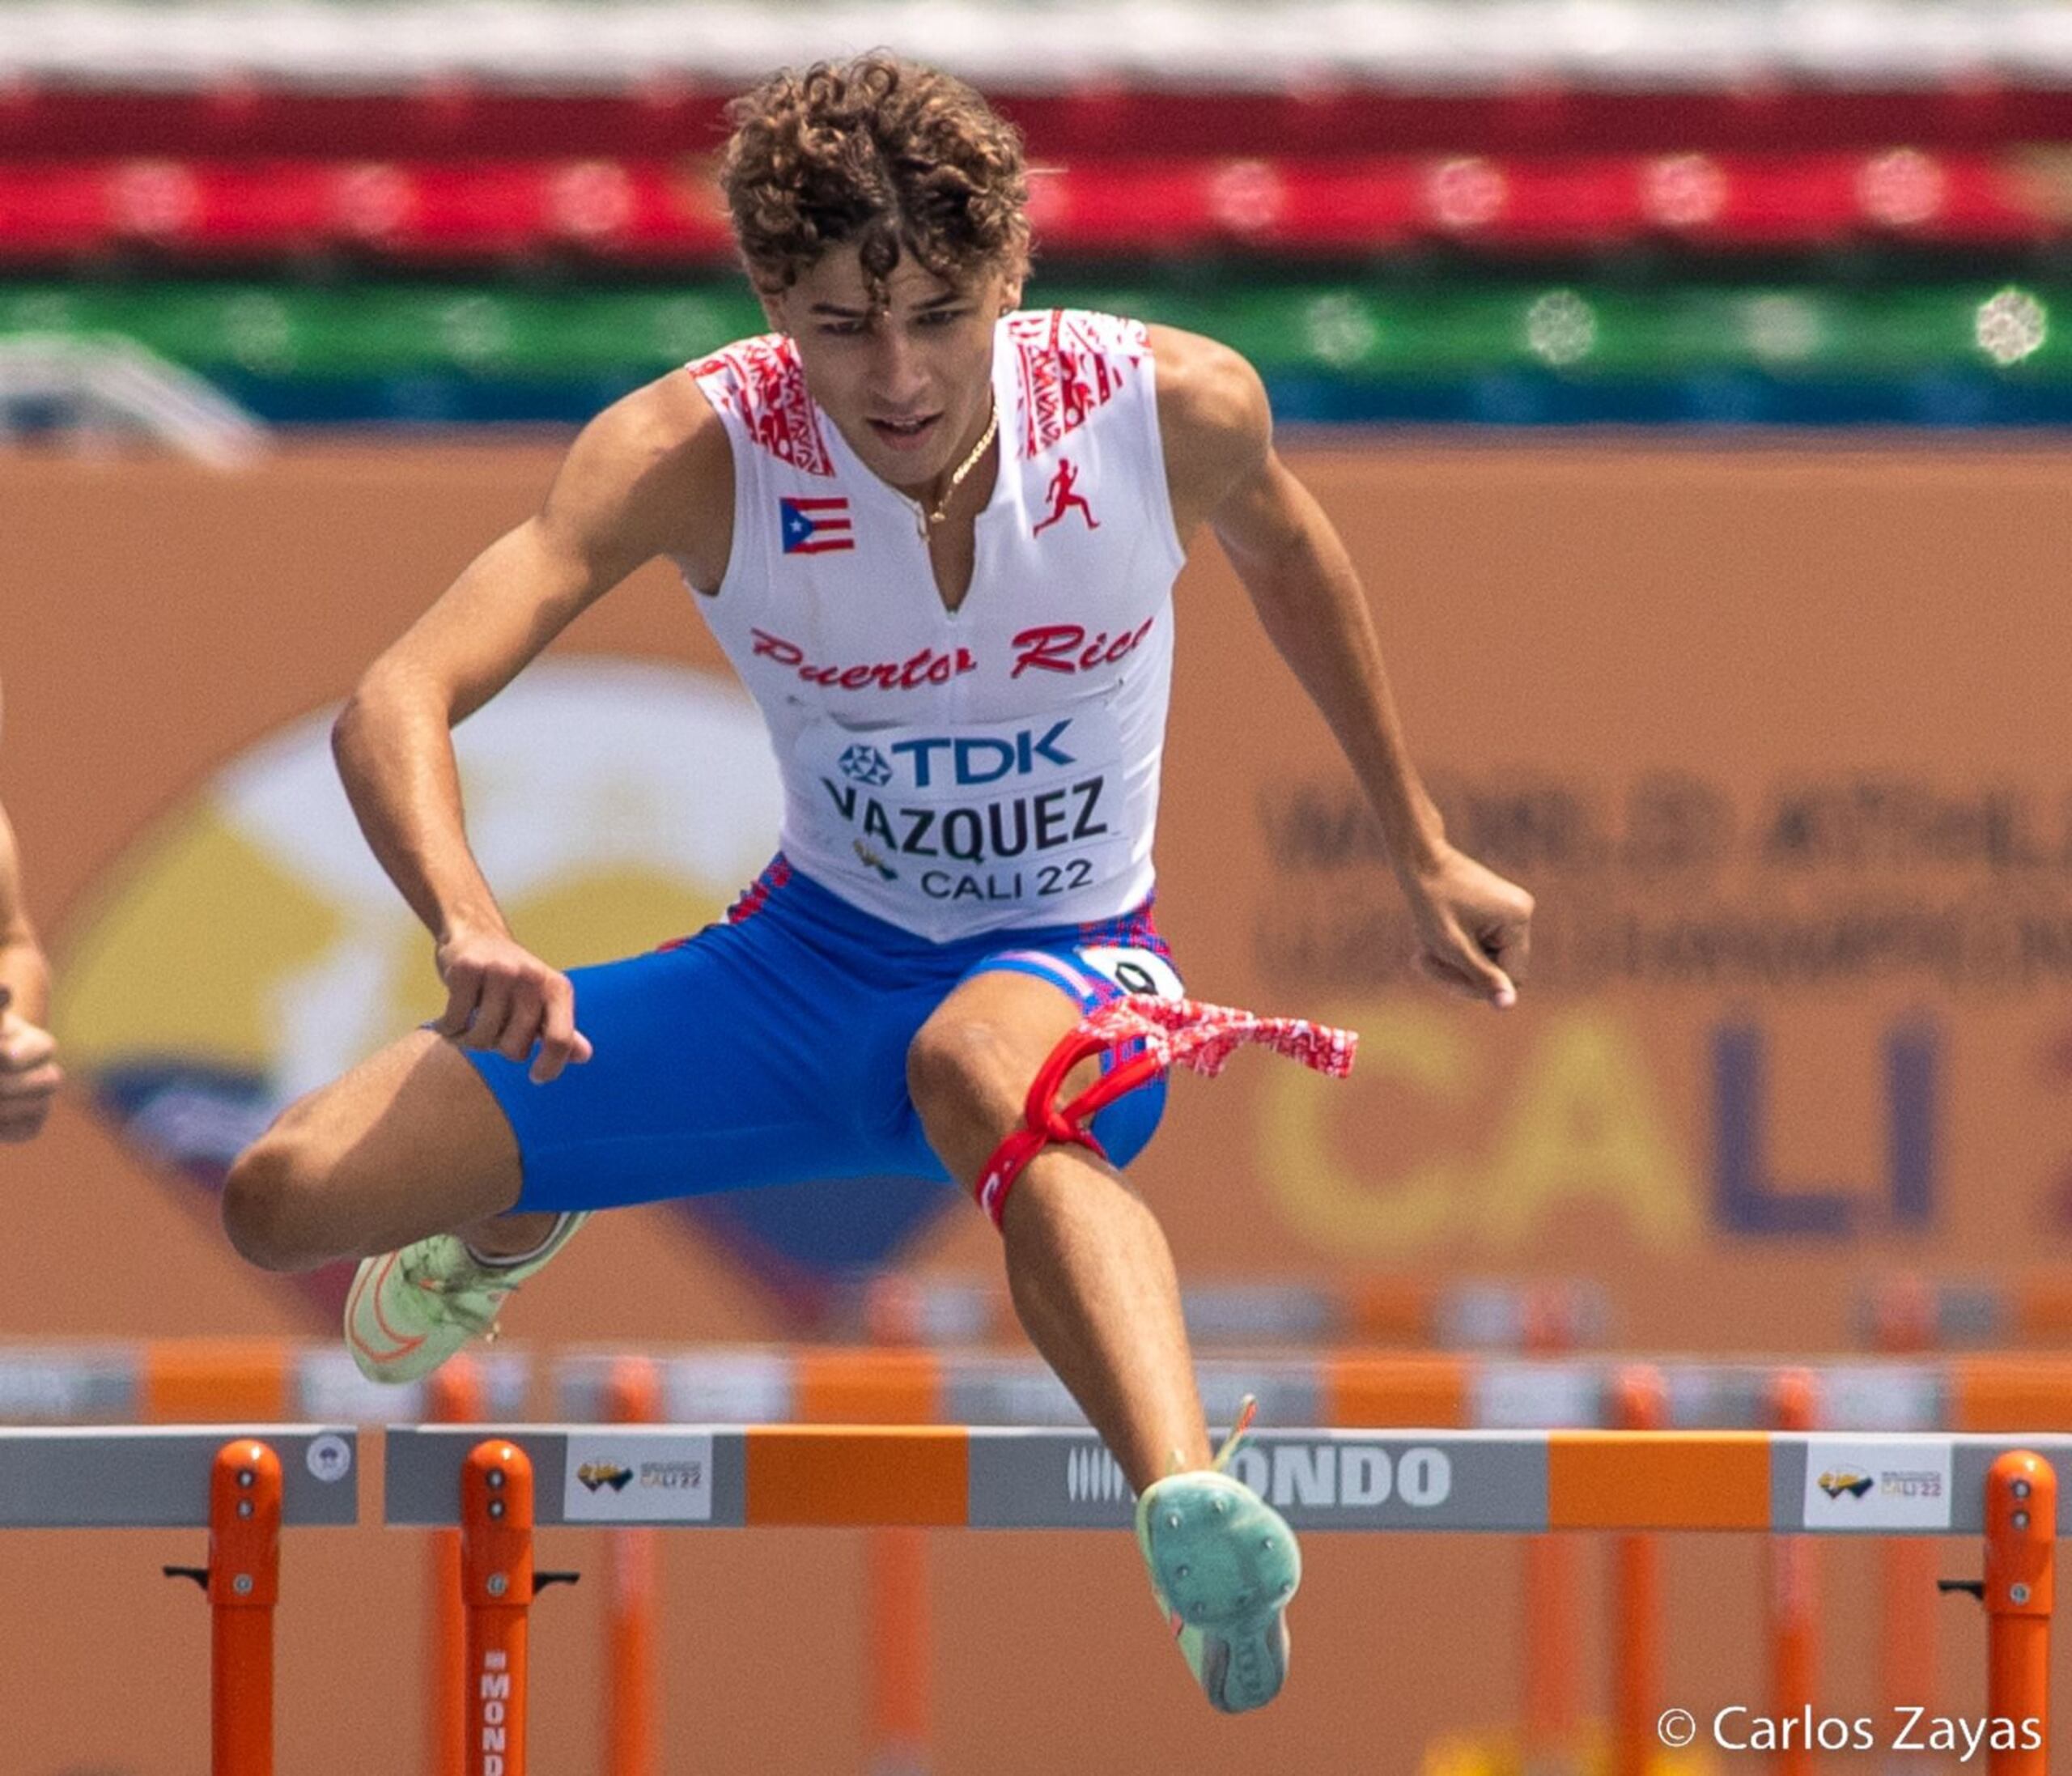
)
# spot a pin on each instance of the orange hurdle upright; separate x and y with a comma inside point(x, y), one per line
point(496, 1592)
point(1794, 1585)
point(1553, 1322)
point(886, 1384)
point(243, 1585)
point(2021, 1553)
point(1639, 1403)
point(1903, 1323)
point(633, 1395)
point(1553, 1653)
point(455, 1398)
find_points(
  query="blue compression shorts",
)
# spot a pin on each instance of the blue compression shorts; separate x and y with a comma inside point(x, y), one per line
point(772, 1049)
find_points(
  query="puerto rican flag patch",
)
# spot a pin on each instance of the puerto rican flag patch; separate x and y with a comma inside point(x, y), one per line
point(815, 527)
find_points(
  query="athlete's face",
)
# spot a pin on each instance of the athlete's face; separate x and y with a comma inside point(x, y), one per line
point(907, 381)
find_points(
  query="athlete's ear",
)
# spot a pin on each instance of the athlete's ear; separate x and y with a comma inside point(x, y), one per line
point(1012, 277)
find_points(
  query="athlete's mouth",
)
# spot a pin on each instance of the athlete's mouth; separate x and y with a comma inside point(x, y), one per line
point(905, 434)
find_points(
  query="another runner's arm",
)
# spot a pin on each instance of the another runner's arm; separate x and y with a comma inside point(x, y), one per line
point(1222, 467)
point(650, 475)
point(24, 974)
point(29, 1076)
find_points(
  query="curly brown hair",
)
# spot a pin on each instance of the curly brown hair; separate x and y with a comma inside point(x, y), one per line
point(886, 153)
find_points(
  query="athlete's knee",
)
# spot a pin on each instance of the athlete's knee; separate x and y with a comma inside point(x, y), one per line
point(967, 1078)
point(272, 1202)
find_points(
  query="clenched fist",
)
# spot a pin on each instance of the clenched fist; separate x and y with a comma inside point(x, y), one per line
point(1474, 928)
point(29, 1074)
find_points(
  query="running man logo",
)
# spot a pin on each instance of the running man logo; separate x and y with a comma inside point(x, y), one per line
point(1838, 1481)
point(597, 1474)
point(1063, 498)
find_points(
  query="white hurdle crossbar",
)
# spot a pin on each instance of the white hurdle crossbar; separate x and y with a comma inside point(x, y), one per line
point(496, 1484)
point(988, 1477)
point(127, 1477)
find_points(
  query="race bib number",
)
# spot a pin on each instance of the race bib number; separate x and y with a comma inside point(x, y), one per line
point(1018, 812)
point(1135, 971)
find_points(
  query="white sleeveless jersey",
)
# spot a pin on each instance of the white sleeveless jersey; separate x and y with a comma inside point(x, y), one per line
point(957, 773)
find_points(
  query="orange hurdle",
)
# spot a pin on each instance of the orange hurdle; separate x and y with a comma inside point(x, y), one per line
point(1904, 1324)
point(1794, 1586)
point(1551, 1321)
point(455, 1398)
point(1553, 1670)
point(1639, 1403)
point(124, 1476)
point(2021, 1550)
point(633, 1395)
point(1633, 1482)
point(1347, 1388)
point(498, 1585)
point(888, 1385)
point(496, 1592)
point(243, 1585)
point(232, 1378)
point(896, 1578)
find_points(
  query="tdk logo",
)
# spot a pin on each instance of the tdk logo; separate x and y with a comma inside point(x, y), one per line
point(983, 758)
point(866, 765)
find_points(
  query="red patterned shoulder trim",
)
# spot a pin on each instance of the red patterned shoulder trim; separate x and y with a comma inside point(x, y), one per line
point(1067, 363)
point(760, 381)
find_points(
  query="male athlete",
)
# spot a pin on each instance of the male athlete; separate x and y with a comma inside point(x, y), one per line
point(937, 537)
point(29, 1076)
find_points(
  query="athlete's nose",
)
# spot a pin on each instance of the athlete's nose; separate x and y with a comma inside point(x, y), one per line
point(896, 380)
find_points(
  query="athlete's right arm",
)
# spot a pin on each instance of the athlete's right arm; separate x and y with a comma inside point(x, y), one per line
point(652, 474)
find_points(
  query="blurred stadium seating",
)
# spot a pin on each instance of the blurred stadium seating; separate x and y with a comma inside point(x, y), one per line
point(1533, 212)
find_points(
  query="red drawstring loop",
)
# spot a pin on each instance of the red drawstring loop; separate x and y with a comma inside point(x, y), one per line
point(1181, 1032)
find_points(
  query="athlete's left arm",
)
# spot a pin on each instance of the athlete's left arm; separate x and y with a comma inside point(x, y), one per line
point(1474, 927)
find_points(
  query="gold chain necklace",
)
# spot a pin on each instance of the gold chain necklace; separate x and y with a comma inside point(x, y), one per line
point(931, 516)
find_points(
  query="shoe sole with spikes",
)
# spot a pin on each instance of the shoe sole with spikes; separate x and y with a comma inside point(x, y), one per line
point(1224, 1564)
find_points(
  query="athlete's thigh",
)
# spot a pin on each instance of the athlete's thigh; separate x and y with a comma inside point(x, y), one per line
point(407, 1143)
point(720, 1064)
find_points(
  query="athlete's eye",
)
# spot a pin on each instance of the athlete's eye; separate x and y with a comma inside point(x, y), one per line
point(941, 317)
point(842, 330)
